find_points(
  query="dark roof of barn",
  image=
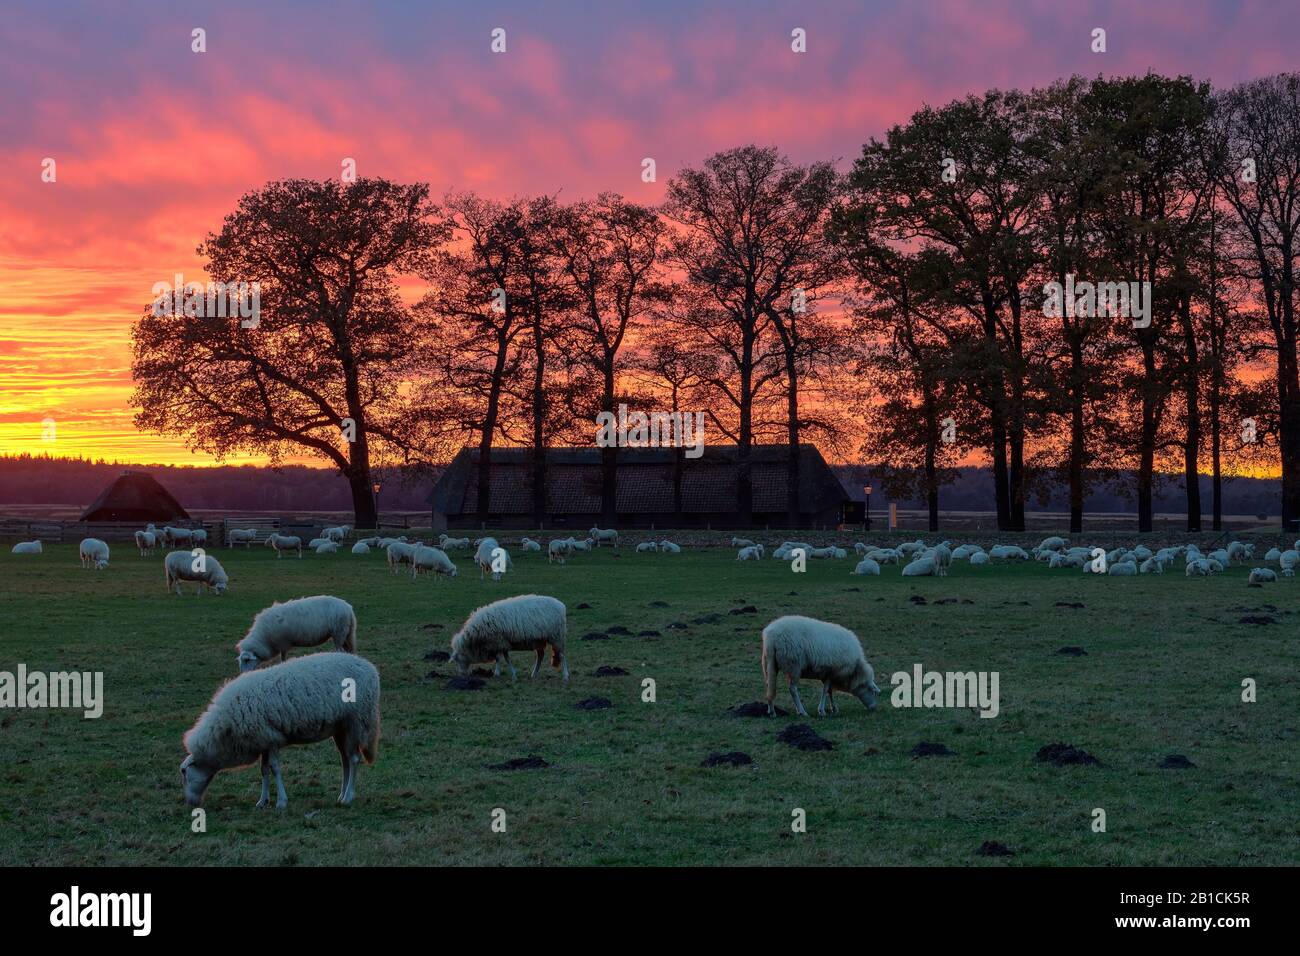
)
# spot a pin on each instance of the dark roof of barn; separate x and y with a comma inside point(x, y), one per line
point(135, 496)
point(645, 481)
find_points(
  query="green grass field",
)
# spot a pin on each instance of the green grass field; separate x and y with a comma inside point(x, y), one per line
point(1165, 660)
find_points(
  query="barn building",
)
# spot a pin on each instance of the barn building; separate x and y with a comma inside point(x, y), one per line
point(647, 489)
point(137, 497)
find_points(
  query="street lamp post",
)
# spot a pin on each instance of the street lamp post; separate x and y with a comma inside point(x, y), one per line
point(866, 511)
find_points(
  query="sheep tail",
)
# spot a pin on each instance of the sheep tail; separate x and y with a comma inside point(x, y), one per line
point(370, 748)
point(350, 640)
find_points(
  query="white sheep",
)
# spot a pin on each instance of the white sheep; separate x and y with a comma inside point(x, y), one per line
point(94, 553)
point(1198, 567)
point(302, 622)
point(361, 548)
point(668, 547)
point(244, 536)
point(556, 550)
point(584, 545)
point(335, 534)
point(806, 647)
point(1273, 554)
point(1152, 565)
point(174, 536)
point(528, 544)
point(867, 566)
point(608, 534)
point(860, 548)
point(1008, 552)
point(284, 542)
point(302, 701)
point(399, 553)
point(179, 566)
point(646, 546)
point(449, 543)
point(1059, 560)
point(146, 541)
point(26, 547)
point(315, 543)
point(527, 622)
point(964, 551)
point(979, 558)
point(1123, 569)
point(1053, 543)
point(753, 552)
point(1260, 575)
point(432, 559)
point(198, 537)
point(922, 567)
point(744, 543)
point(484, 558)
point(1289, 559)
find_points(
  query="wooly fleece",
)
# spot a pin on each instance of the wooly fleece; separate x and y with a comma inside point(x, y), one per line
point(526, 622)
point(431, 559)
point(178, 566)
point(26, 547)
point(298, 702)
point(94, 551)
point(806, 647)
point(304, 622)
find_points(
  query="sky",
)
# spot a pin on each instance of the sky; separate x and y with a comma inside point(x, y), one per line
point(153, 144)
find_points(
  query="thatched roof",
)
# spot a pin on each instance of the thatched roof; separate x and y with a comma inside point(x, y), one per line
point(135, 496)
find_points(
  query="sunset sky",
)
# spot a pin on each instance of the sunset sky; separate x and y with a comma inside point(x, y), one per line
point(154, 144)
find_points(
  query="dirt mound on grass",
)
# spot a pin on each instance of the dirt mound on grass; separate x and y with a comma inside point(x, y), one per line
point(804, 738)
point(1064, 755)
point(733, 759)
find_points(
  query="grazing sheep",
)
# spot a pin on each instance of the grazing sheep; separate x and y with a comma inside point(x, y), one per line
point(1288, 572)
point(361, 548)
point(1198, 567)
point(645, 546)
point(174, 536)
point(668, 547)
point(432, 559)
point(399, 553)
point(483, 558)
point(556, 550)
point(315, 543)
point(922, 567)
point(753, 552)
point(336, 534)
point(1059, 560)
point(94, 553)
point(327, 547)
point(1289, 559)
point(742, 543)
point(885, 556)
point(806, 647)
point(979, 558)
point(448, 543)
point(1123, 569)
point(146, 541)
point(528, 622)
point(528, 544)
point(178, 566)
point(1260, 575)
point(964, 551)
point(584, 545)
point(302, 622)
point(910, 548)
point(302, 701)
point(1152, 565)
point(198, 537)
point(867, 566)
point(244, 536)
point(1220, 555)
point(1273, 554)
point(608, 534)
point(1051, 544)
point(26, 547)
point(860, 548)
point(284, 542)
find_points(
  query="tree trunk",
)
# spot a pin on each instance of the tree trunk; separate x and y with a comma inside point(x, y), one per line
point(792, 436)
point(999, 450)
point(609, 457)
point(1147, 442)
point(744, 482)
point(1192, 398)
point(1077, 447)
point(539, 427)
point(364, 514)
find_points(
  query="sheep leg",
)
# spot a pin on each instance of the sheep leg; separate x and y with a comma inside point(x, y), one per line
point(541, 656)
point(350, 778)
point(266, 782)
point(794, 695)
point(505, 659)
point(830, 698)
point(281, 798)
point(821, 701)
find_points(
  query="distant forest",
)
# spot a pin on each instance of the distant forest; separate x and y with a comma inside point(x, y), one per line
point(43, 480)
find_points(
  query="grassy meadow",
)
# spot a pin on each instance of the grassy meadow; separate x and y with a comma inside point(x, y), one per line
point(1165, 658)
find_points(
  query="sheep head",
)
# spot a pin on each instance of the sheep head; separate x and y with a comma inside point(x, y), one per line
point(864, 686)
point(248, 661)
point(195, 778)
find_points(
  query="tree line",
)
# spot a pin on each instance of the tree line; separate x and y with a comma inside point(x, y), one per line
point(910, 311)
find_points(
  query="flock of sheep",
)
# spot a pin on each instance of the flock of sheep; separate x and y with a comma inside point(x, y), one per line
point(276, 701)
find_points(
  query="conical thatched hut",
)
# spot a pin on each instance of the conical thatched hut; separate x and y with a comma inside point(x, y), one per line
point(135, 496)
